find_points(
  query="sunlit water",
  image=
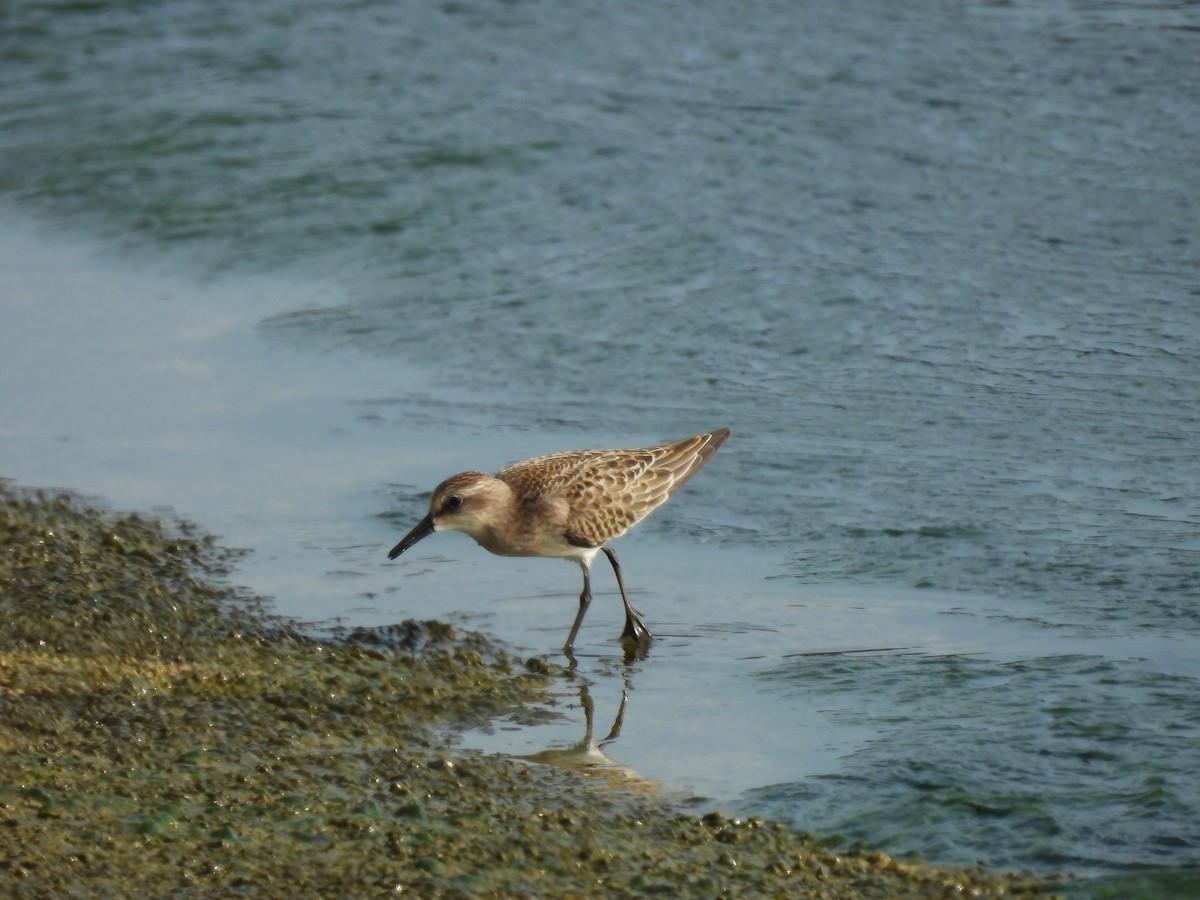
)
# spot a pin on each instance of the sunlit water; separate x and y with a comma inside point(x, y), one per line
point(284, 266)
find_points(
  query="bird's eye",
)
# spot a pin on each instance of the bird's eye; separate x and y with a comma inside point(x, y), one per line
point(454, 502)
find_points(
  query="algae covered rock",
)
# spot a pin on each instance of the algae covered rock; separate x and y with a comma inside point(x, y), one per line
point(161, 734)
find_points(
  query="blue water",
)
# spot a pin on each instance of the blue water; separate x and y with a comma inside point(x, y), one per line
point(284, 266)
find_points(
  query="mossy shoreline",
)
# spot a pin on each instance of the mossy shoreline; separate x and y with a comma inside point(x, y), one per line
point(163, 735)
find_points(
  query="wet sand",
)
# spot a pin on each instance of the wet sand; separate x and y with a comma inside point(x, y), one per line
point(164, 734)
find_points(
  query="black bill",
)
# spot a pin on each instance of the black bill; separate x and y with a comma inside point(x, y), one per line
point(424, 529)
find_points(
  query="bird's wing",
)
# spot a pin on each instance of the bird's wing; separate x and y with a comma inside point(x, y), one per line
point(610, 491)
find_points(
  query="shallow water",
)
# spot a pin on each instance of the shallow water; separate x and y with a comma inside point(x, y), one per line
point(937, 268)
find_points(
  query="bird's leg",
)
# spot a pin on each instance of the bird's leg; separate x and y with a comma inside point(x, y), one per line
point(585, 599)
point(635, 628)
point(615, 731)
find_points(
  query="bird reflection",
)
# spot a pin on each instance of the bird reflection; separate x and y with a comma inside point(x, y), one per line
point(587, 756)
point(634, 650)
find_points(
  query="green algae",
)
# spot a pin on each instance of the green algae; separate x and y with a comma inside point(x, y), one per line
point(162, 734)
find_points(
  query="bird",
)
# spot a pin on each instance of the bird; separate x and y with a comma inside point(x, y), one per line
point(567, 505)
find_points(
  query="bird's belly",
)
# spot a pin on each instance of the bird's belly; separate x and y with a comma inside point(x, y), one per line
point(536, 545)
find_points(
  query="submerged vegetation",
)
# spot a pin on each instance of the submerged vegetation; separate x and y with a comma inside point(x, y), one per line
point(162, 734)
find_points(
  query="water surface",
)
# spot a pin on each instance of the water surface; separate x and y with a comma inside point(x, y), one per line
point(284, 267)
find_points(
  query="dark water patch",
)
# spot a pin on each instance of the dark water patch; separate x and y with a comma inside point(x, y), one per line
point(955, 736)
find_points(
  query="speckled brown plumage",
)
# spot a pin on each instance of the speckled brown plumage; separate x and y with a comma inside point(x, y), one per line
point(610, 491)
point(566, 505)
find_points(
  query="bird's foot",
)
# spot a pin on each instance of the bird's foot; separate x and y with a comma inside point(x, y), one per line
point(572, 663)
point(636, 630)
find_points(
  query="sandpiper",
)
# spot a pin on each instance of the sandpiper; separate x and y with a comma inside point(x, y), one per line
point(566, 505)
